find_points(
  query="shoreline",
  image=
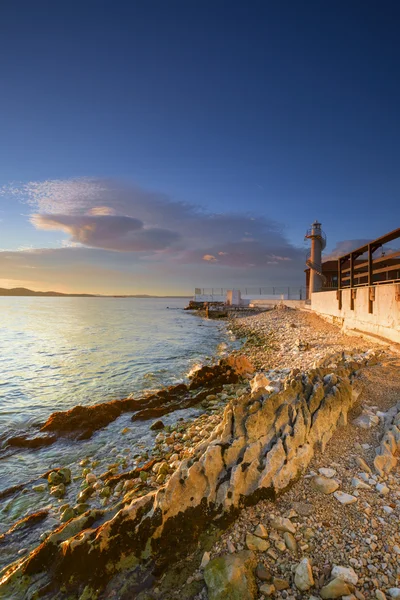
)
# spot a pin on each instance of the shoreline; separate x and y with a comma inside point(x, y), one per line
point(303, 349)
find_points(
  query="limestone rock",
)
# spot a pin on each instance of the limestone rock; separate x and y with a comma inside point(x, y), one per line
point(380, 595)
point(335, 589)
point(290, 542)
point(231, 576)
point(362, 464)
point(253, 542)
point(261, 532)
point(324, 485)
point(268, 589)
point(263, 573)
point(346, 573)
point(345, 498)
point(303, 577)
point(282, 524)
point(326, 472)
point(394, 592)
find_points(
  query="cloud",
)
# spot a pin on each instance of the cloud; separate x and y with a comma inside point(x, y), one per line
point(210, 258)
point(111, 232)
point(164, 237)
point(344, 247)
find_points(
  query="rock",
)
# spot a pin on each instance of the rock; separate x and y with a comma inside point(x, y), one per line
point(54, 478)
point(253, 542)
point(366, 421)
point(380, 595)
point(39, 488)
point(231, 576)
point(346, 573)
point(325, 485)
point(263, 573)
point(81, 508)
point(259, 381)
point(58, 491)
point(65, 473)
point(261, 532)
point(85, 494)
point(359, 485)
point(68, 514)
point(205, 560)
point(280, 584)
point(143, 475)
point(335, 589)
point(105, 492)
point(303, 577)
point(394, 592)
point(327, 472)
point(157, 425)
point(282, 524)
point(362, 464)
point(91, 478)
point(345, 498)
point(382, 489)
point(290, 542)
point(268, 589)
point(384, 463)
point(303, 509)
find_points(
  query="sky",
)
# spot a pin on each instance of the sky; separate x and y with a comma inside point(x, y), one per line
point(154, 147)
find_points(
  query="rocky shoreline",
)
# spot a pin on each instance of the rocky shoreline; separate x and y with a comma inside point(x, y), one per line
point(176, 524)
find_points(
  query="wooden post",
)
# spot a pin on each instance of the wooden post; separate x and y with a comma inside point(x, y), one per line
point(339, 284)
point(351, 270)
point(370, 275)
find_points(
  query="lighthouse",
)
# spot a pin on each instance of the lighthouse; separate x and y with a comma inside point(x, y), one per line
point(314, 257)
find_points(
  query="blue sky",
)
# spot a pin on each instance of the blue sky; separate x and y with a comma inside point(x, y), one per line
point(278, 113)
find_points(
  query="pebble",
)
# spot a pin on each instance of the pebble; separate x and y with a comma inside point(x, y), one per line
point(345, 498)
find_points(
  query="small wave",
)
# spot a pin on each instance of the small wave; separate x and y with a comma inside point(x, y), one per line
point(194, 369)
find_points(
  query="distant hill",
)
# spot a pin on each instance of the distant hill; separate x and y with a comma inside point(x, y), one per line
point(26, 292)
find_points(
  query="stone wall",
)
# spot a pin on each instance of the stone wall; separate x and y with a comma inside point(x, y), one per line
point(262, 445)
point(384, 321)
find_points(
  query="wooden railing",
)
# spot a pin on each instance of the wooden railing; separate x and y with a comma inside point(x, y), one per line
point(372, 271)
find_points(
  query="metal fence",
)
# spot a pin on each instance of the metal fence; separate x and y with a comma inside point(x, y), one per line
point(286, 291)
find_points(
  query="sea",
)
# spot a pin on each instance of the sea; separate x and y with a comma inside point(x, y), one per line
point(56, 353)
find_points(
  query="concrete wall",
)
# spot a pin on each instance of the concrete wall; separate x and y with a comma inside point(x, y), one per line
point(384, 320)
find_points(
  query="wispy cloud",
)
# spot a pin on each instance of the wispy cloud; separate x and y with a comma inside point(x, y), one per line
point(157, 230)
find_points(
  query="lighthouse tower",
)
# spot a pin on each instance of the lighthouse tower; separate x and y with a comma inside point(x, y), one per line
point(314, 257)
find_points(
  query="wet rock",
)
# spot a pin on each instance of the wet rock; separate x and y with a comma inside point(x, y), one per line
point(25, 522)
point(58, 491)
point(157, 425)
point(65, 475)
point(27, 441)
point(231, 576)
point(303, 575)
point(54, 478)
point(335, 589)
point(85, 494)
point(67, 514)
point(42, 487)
